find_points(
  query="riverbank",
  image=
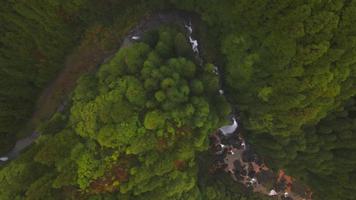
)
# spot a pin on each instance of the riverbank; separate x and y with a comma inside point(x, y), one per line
point(231, 157)
point(235, 156)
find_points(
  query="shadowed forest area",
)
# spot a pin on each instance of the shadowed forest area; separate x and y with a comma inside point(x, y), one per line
point(136, 120)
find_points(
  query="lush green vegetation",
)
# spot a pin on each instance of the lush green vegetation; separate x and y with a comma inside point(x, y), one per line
point(29, 31)
point(288, 65)
point(328, 159)
point(135, 127)
point(36, 36)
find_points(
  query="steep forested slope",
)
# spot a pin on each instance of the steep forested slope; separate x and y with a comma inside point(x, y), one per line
point(289, 68)
point(328, 161)
point(35, 38)
point(290, 64)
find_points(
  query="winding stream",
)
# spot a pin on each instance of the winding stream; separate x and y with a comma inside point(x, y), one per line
point(236, 157)
point(231, 152)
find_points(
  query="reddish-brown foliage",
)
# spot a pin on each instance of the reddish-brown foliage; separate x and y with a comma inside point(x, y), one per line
point(107, 183)
point(180, 164)
point(287, 179)
point(120, 174)
point(161, 144)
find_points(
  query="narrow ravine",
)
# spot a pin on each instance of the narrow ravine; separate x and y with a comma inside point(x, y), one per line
point(230, 150)
point(236, 157)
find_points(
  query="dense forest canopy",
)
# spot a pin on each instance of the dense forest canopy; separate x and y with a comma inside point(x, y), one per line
point(135, 127)
point(29, 32)
point(289, 68)
point(35, 37)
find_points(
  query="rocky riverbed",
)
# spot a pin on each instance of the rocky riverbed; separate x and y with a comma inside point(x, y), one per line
point(236, 157)
point(229, 149)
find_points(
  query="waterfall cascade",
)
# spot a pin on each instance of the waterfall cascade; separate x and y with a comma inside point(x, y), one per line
point(229, 129)
point(192, 41)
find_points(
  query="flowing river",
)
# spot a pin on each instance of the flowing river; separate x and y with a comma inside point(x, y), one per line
point(235, 156)
point(232, 153)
